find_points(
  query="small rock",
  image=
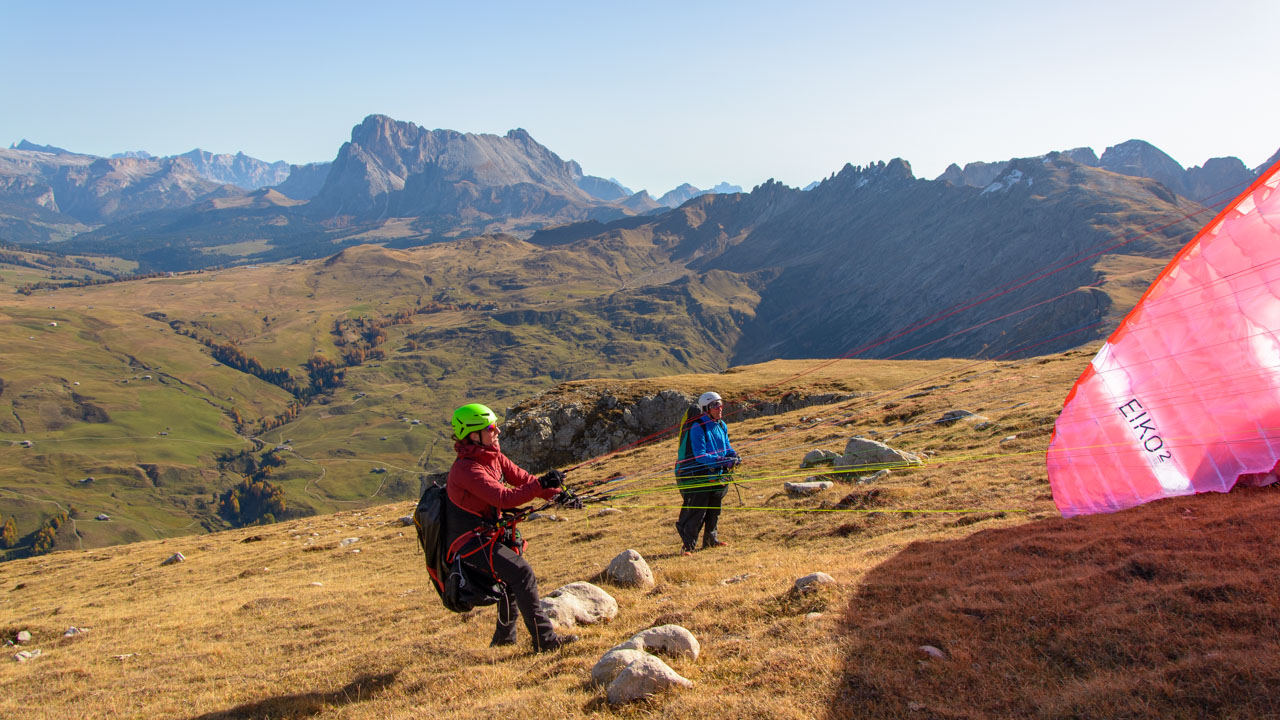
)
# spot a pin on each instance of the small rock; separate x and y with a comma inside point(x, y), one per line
point(1010, 438)
point(933, 652)
point(643, 678)
point(25, 655)
point(174, 558)
point(579, 602)
point(814, 458)
point(629, 568)
point(953, 416)
point(348, 541)
point(736, 579)
point(102, 516)
point(23, 637)
point(72, 632)
point(801, 489)
point(608, 511)
point(317, 584)
point(813, 581)
point(611, 663)
point(875, 477)
point(813, 616)
point(670, 639)
point(407, 520)
point(355, 551)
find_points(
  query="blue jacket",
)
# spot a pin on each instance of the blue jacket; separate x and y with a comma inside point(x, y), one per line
point(706, 454)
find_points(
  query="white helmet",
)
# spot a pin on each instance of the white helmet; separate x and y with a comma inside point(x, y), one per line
point(707, 398)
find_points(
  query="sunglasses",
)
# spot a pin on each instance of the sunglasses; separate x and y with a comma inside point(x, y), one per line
point(714, 404)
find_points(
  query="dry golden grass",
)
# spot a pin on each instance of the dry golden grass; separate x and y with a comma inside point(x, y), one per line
point(966, 553)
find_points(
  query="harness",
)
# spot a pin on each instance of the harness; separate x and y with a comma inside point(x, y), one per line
point(487, 537)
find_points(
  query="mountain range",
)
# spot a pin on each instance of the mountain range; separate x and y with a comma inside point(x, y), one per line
point(1010, 259)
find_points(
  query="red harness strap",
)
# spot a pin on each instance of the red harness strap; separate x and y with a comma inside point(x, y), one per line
point(488, 537)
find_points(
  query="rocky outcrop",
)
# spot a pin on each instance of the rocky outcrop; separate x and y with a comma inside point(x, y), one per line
point(548, 432)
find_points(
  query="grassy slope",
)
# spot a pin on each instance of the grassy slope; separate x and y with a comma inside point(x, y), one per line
point(546, 316)
point(608, 306)
point(1038, 615)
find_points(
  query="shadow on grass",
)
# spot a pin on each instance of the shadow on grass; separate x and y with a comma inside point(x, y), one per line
point(302, 705)
point(1169, 610)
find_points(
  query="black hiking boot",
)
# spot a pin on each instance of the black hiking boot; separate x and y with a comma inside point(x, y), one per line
point(555, 643)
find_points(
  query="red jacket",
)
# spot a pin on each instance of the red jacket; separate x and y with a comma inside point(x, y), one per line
point(483, 481)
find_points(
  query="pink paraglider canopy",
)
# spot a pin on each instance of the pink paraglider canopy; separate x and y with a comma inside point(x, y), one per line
point(1185, 396)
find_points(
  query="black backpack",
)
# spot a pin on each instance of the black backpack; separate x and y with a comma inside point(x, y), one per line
point(461, 587)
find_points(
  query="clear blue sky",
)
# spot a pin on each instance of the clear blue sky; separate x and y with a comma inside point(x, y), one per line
point(654, 93)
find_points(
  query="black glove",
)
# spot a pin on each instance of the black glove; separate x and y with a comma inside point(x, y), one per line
point(552, 479)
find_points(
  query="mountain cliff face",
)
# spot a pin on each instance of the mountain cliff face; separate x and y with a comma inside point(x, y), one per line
point(239, 169)
point(304, 181)
point(95, 190)
point(397, 169)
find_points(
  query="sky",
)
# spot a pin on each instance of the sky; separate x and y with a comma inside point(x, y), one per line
point(653, 94)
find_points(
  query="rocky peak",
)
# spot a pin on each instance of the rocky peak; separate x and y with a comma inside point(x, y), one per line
point(1138, 158)
point(894, 172)
point(32, 147)
point(390, 166)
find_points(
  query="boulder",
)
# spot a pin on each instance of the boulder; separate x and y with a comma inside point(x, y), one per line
point(642, 678)
point(866, 455)
point(630, 568)
point(671, 640)
point(579, 602)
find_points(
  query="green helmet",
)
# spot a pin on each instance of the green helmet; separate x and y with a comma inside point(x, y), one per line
point(470, 418)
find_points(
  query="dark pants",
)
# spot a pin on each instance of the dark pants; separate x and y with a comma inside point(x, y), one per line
point(520, 596)
point(700, 513)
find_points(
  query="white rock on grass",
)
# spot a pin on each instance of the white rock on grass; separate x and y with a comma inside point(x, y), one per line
point(630, 568)
point(174, 558)
point(25, 655)
point(814, 458)
point(642, 678)
point(348, 541)
point(579, 603)
point(406, 520)
point(611, 663)
point(23, 637)
point(864, 455)
point(609, 511)
point(672, 640)
point(812, 487)
point(875, 477)
point(813, 581)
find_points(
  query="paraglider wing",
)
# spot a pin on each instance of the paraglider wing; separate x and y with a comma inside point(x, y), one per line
point(1184, 397)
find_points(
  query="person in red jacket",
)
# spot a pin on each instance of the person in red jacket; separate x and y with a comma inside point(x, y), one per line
point(482, 483)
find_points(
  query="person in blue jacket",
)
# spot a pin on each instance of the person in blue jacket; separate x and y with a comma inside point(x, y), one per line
point(703, 471)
